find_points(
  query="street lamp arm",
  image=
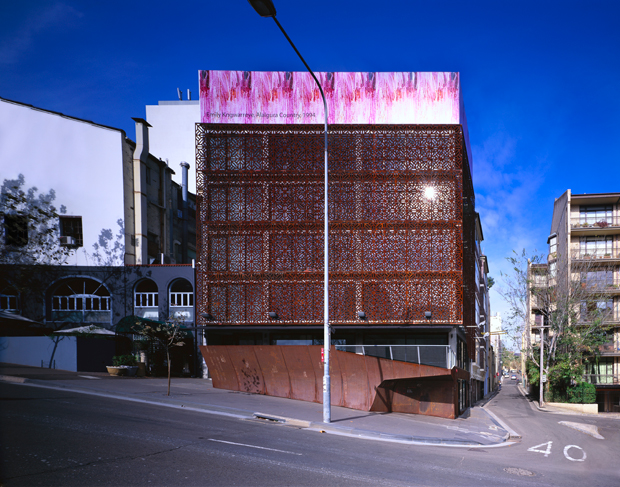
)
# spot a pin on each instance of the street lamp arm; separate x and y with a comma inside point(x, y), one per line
point(306, 65)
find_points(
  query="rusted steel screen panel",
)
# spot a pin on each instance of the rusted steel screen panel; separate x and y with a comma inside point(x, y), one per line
point(358, 382)
point(427, 396)
point(221, 367)
point(396, 223)
point(274, 369)
point(357, 394)
point(249, 373)
point(302, 378)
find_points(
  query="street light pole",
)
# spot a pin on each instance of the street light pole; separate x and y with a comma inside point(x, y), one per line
point(265, 8)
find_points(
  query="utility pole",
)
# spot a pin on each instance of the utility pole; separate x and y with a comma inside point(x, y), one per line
point(542, 369)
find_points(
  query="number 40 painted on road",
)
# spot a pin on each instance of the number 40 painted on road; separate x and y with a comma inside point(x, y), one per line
point(547, 451)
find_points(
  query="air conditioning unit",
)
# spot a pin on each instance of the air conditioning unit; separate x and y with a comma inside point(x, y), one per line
point(67, 241)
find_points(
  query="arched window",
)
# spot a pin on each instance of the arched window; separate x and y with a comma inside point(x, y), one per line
point(146, 294)
point(181, 294)
point(81, 299)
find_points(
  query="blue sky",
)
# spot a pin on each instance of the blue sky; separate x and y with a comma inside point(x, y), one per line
point(540, 78)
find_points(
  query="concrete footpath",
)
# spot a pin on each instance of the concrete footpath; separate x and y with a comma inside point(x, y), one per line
point(476, 428)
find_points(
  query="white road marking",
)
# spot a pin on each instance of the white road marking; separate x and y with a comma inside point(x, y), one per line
point(254, 446)
point(568, 447)
point(89, 377)
point(547, 451)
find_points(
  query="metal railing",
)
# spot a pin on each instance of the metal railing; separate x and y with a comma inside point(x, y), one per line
point(584, 254)
point(435, 355)
point(601, 285)
point(595, 223)
point(609, 316)
point(602, 378)
point(609, 348)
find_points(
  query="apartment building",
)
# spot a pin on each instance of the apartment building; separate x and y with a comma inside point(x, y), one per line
point(584, 260)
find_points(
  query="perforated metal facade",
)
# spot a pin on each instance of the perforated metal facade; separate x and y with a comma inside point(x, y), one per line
point(396, 251)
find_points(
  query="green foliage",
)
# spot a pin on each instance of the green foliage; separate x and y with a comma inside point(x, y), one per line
point(573, 320)
point(490, 282)
point(119, 360)
point(168, 334)
point(533, 373)
point(582, 393)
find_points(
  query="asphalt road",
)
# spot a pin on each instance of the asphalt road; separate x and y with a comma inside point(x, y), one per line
point(58, 438)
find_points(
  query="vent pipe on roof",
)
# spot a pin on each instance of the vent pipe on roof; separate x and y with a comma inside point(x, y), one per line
point(180, 93)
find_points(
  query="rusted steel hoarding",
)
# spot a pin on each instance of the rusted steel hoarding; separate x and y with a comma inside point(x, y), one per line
point(358, 382)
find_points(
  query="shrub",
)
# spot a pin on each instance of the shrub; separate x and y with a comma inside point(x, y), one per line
point(582, 393)
point(119, 360)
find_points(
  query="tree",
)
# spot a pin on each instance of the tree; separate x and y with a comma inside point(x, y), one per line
point(168, 335)
point(509, 359)
point(31, 225)
point(566, 305)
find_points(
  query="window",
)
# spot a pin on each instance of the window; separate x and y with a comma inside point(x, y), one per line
point(553, 245)
point(71, 231)
point(16, 230)
point(596, 246)
point(81, 295)
point(595, 214)
point(146, 294)
point(596, 309)
point(9, 300)
point(181, 294)
point(600, 371)
point(597, 279)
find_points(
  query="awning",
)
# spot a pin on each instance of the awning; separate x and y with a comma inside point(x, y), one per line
point(14, 325)
point(88, 330)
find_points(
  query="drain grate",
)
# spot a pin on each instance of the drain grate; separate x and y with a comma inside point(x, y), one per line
point(521, 472)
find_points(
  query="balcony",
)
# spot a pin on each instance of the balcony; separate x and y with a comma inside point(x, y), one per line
point(610, 349)
point(611, 318)
point(600, 256)
point(591, 226)
point(602, 379)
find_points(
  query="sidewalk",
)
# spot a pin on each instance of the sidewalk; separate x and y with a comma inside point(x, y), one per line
point(476, 428)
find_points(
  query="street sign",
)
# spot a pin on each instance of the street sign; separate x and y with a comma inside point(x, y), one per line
point(544, 378)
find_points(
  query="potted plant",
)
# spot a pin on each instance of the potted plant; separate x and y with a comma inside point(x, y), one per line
point(123, 365)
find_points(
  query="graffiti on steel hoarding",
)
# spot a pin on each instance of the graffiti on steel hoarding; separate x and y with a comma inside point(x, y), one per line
point(352, 98)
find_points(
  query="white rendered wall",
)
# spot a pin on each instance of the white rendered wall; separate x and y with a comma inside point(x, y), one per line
point(173, 135)
point(31, 350)
point(81, 161)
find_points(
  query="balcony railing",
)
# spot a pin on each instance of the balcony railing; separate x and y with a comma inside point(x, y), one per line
point(610, 316)
point(594, 223)
point(585, 254)
point(609, 348)
point(602, 379)
point(602, 286)
point(435, 355)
